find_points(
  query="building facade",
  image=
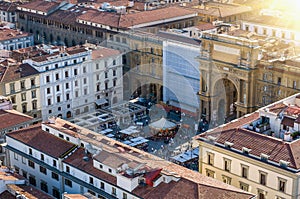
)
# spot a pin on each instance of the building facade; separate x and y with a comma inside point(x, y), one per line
point(14, 39)
point(58, 161)
point(257, 152)
point(72, 79)
point(21, 84)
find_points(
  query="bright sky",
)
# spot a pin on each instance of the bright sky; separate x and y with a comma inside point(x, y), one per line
point(286, 5)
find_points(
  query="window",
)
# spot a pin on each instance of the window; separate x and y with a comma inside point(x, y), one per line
point(57, 76)
point(55, 192)
point(76, 83)
point(32, 180)
point(84, 81)
point(74, 61)
point(114, 72)
point(124, 195)
point(114, 82)
point(67, 169)
point(244, 186)
point(109, 170)
point(68, 182)
point(23, 96)
point(294, 84)
point(101, 166)
point(54, 163)
point(34, 105)
point(113, 191)
point(16, 156)
point(226, 179)
point(54, 176)
point(262, 178)
point(23, 160)
point(22, 84)
point(114, 62)
point(66, 74)
point(48, 91)
point(106, 85)
point(75, 71)
point(17, 169)
point(33, 94)
point(56, 65)
point(281, 184)
point(97, 77)
point(49, 102)
point(43, 170)
point(84, 69)
point(210, 173)
point(30, 151)
point(32, 82)
point(58, 99)
point(97, 66)
point(44, 186)
point(91, 180)
point(85, 91)
point(106, 75)
point(102, 185)
point(245, 171)
point(227, 164)
point(24, 174)
point(42, 157)
point(57, 88)
point(279, 81)
point(67, 96)
point(67, 85)
point(210, 158)
point(12, 87)
point(47, 79)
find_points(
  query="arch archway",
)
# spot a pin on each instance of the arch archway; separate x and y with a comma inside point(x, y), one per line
point(225, 96)
point(69, 114)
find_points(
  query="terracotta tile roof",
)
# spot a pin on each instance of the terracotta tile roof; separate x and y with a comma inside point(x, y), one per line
point(277, 108)
point(35, 137)
point(111, 160)
point(67, 17)
point(259, 143)
point(8, 6)
point(128, 20)
point(9, 34)
point(10, 118)
point(76, 49)
point(40, 5)
point(292, 110)
point(221, 9)
point(7, 195)
point(234, 124)
point(153, 15)
point(74, 196)
point(151, 161)
point(205, 26)
point(76, 160)
point(16, 72)
point(287, 121)
point(104, 52)
point(29, 191)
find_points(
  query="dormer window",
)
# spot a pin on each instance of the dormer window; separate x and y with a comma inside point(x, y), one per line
point(246, 150)
point(264, 157)
point(283, 163)
point(228, 144)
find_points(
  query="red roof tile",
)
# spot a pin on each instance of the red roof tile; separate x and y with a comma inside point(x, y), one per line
point(40, 5)
point(11, 118)
point(76, 160)
point(104, 52)
point(9, 34)
point(7, 195)
point(275, 148)
point(18, 71)
point(35, 137)
point(287, 121)
point(29, 191)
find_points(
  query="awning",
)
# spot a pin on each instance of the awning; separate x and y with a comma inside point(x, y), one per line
point(100, 101)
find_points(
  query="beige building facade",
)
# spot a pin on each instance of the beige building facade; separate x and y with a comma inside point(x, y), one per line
point(20, 82)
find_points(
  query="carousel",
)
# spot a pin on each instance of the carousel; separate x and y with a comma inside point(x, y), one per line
point(163, 128)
